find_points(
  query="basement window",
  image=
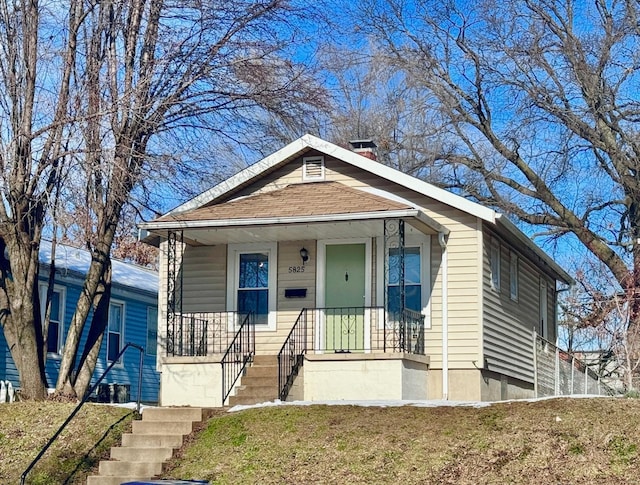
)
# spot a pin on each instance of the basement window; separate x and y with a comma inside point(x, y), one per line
point(312, 169)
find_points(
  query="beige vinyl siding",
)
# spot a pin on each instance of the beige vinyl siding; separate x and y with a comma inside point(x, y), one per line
point(204, 279)
point(508, 324)
point(462, 243)
point(462, 247)
point(289, 308)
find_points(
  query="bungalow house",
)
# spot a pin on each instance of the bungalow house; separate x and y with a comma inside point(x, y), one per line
point(320, 274)
point(133, 313)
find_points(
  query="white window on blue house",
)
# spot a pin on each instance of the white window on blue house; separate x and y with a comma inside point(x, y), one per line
point(152, 330)
point(56, 319)
point(115, 330)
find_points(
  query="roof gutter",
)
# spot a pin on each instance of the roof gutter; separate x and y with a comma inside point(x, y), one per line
point(266, 221)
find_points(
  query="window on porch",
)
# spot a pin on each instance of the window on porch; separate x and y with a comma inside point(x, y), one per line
point(412, 279)
point(253, 285)
point(252, 281)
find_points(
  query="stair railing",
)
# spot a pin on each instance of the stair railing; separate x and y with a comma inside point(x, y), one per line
point(23, 477)
point(291, 355)
point(239, 353)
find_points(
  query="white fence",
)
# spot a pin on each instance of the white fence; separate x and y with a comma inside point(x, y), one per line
point(7, 393)
point(559, 373)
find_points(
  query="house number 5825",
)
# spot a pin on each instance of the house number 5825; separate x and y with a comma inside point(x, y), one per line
point(296, 269)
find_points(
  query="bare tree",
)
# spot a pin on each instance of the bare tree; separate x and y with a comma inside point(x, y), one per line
point(540, 109)
point(36, 68)
point(88, 92)
point(153, 67)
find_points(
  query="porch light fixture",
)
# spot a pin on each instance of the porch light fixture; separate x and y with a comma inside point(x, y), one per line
point(304, 254)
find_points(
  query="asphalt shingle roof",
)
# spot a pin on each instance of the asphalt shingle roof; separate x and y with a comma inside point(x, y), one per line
point(295, 200)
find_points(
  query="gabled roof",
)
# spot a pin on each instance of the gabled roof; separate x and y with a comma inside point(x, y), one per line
point(201, 204)
point(310, 142)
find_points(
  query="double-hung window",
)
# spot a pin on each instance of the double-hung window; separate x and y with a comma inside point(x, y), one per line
point(412, 279)
point(253, 285)
point(115, 330)
point(251, 277)
point(56, 318)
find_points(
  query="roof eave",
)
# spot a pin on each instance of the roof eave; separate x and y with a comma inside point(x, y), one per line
point(266, 221)
point(560, 273)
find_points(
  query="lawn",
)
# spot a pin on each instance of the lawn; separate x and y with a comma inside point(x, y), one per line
point(25, 427)
point(557, 441)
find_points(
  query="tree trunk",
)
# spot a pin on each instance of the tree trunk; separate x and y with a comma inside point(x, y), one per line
point(99, 324)
point(21, 319)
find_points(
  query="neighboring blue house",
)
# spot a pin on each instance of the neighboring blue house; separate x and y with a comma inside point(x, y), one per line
point(133, 317)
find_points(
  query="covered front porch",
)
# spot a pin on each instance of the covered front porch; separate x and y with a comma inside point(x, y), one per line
point(325, 285)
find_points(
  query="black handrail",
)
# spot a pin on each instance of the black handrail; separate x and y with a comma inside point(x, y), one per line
point(291, 355)
point(238, 354)
point(23, 477)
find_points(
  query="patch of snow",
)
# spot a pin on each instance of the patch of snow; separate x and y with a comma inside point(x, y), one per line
point(79, 260)
point(398, 403)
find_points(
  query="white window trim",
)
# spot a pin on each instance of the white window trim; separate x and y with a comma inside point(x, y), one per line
point(514, 275)
point(317, 158)
point(233, 264)
point(151, 307)
point(113, 301)
point(495, 283)
point(423, 242)
point(61, 329)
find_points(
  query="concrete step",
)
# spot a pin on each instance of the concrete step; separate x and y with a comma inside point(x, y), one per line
point(137, 455)
point(237, 400)
point(162, 427)
point(172, 414)
point(114, 480)
point(131, 440)
point(265, 360)
point(261, 372)
point(129, 468)
point(251, 380)
point(266, 392)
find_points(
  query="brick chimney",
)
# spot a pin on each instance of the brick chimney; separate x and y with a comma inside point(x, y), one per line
point(366, 148)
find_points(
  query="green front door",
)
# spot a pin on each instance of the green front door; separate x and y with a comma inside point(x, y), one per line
point(344, 297)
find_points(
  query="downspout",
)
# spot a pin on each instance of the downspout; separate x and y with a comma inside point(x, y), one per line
point(445, 316)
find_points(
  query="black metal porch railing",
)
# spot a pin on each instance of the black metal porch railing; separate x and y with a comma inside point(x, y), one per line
point(347, 330)
point(201, 334)
point(239, 353)
point(291, 355)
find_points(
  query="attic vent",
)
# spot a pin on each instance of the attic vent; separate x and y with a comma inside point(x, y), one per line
point(313, 168)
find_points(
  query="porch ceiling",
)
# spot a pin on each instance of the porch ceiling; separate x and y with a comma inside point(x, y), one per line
point(207, 236)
